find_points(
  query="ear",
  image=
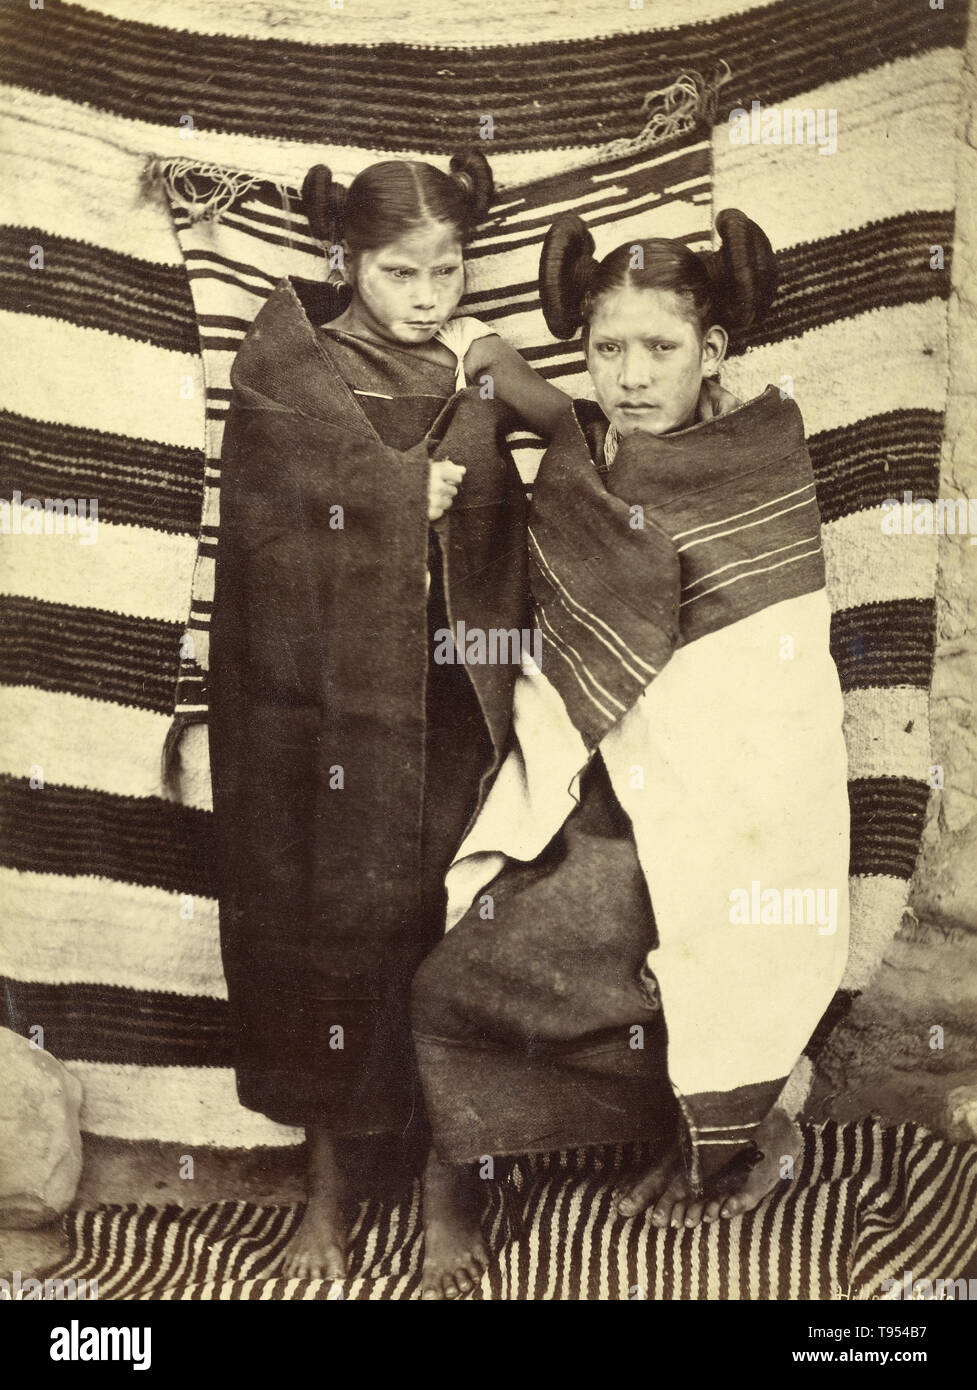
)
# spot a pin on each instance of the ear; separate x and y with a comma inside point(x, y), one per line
point(714, 344)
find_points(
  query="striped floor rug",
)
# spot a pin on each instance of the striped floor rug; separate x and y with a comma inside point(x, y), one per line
point(867, 1203)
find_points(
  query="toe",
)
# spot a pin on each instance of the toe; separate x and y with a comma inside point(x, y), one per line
point(693, 1214)
point(666, 1202)
point(678, 1214)
point(449, 1286)
point(463, 1281)
point(431, 1291)
point(742, 1202)
point(711, 1212)
point(637, 1196)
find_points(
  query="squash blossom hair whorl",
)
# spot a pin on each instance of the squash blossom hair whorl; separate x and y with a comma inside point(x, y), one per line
point(732, 286)
point(390, 199)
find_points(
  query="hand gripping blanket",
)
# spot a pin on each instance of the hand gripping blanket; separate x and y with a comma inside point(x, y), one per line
point(331, 885)
point(680, 597)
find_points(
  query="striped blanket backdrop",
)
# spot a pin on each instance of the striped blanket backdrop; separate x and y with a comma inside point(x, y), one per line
point(236, 252)
point(116, 384)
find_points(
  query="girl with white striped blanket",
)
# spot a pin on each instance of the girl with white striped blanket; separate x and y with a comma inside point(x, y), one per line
point(676, 798)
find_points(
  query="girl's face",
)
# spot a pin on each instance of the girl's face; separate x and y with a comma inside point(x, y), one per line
point(647, 361)
point(404, 292)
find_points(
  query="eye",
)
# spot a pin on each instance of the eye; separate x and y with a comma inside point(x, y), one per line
point(665, 347)
point(400, 272)
point(607, 349)
point(447, 270)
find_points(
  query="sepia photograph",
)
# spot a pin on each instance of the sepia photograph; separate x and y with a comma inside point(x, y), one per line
point(488, 667)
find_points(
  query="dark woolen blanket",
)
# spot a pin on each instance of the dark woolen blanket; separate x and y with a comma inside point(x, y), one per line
point(320, 675)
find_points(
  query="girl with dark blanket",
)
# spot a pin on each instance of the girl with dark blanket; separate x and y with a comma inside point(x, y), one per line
point(368, 500)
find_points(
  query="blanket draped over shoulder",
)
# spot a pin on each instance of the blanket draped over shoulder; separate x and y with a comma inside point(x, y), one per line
point(321, 698)
point(685, 639)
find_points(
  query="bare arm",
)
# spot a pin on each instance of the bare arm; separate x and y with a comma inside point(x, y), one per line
point(536, 401)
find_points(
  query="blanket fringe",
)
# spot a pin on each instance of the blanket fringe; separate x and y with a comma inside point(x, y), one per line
point(176, 173)
point(674, 110)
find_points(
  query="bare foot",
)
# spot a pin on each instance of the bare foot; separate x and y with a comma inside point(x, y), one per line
point(317, 1250)
point(778, 1137)
point(454, 1251)
point(661, 1186)
point(732, 1186)
point(635, 1194)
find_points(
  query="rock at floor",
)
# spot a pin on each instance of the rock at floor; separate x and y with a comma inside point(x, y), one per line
point(40, 1142)
point(961, 1113)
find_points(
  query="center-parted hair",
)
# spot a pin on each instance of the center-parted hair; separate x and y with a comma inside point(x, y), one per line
point(733, 286)
point(390, 199)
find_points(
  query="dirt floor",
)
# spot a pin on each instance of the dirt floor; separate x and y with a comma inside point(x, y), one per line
point(911, 1038)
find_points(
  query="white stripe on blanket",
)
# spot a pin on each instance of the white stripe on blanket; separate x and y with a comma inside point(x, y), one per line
point(807, 490)
point(865, 566)
point(884, 166)
point(100, 381)
point(612, 641)
point(61, 929)
point(805, 541)
point(74, 187)
point(129, 569)
point(577, 665)
point(902, 712)
point(828, 386)
point(813, 549)
point(77, 741)
point(182, 1105)
point(371, 22)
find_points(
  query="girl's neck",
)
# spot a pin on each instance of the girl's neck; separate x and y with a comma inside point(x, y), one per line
point(351, 320)
point(359, 325)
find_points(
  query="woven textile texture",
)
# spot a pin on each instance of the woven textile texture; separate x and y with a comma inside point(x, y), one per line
point(116, 383)
point(868, 1203)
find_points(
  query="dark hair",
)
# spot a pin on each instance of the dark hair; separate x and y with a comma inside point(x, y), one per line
point(390, 198)
point(733, 286)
